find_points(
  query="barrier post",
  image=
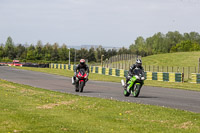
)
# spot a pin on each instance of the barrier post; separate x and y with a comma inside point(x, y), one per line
point(199, 66)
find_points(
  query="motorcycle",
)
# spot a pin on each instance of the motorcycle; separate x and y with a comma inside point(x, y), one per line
point(81, 79)
point(134, 84)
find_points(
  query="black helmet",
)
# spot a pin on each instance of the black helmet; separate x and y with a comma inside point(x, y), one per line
point(139, 62)
point(82, 62)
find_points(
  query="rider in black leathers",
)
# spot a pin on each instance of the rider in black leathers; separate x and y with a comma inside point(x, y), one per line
point(80, 66)
point(138, 64)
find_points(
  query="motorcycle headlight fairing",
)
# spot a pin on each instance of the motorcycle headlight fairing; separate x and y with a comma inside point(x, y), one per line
point(137, 77)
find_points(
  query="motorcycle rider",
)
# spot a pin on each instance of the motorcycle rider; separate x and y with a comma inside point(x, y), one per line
point(80, 66)
point(138, 64)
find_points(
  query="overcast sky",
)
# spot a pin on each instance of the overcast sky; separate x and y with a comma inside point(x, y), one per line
point(94, 22)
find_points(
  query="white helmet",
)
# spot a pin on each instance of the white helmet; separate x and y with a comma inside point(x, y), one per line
point(139, 62)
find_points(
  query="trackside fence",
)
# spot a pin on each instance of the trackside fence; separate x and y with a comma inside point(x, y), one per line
point(195, 78)
point(188, 71)
point(159, 76)
point(125, 65)
point(122, 61)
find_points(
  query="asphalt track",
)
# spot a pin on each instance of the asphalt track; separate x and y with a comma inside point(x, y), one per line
point(166, 97)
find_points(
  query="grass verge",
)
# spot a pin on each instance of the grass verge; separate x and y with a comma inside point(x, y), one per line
point(29, 109)
point(93, 76)
point(182, 59)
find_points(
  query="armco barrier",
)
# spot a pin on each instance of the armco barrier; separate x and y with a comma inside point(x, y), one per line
point(104, 71)
point(125, 73)
point(165, 76)
point(195, 78)
point(159, 76)
point(107, 71)
point(154, 76)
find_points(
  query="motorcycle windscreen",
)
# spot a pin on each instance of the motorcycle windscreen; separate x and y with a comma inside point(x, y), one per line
point(82, 71)
point(138, 72)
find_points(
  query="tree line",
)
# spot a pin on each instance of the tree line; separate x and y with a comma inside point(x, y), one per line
point(52, 52)
point(156, 44)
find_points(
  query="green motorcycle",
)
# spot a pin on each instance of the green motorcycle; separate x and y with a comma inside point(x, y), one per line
point(134, 84)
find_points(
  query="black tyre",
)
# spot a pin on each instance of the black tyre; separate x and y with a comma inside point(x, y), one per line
point(82, 84)
point(136, 90)
point(77, 87)
point(126, 93)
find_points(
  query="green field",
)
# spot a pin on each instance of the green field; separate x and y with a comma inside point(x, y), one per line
point(99, 77)
point(28, 109)
point(182, 59)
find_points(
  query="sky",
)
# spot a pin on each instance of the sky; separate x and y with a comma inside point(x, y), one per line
point(114, 23)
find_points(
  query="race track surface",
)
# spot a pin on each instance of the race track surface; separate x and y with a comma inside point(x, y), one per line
point(173, 98)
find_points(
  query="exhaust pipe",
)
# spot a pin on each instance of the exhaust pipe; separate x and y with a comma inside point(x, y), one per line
point(122, 81)
point(73, 80)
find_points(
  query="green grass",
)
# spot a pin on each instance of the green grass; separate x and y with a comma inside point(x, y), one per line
point(29, 109)
point(182, 59)
point(93, 76)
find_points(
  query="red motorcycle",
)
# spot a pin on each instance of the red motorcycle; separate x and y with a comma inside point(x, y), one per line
point(81, 79)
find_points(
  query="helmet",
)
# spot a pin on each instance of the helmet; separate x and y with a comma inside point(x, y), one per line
point(139, 62)
point(82, 62)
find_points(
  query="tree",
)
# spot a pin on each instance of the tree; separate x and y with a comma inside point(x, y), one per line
point(91, 55)
point(82, 54)
point(185, 46)
point(149, 46)
point(133, 49)
point(172, 39)
point(10, 48)
point(1, 51)
point(54, 53)
point(47, 49)
point(140, 46)
point(195, 47)
point(63, 52)
point(38, 51)
point(31, 53)
point(194, 37)
point(20, 51)
point(99, 52)
point(111, 52)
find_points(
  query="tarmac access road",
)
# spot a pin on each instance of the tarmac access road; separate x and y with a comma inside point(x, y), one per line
point(173, 98)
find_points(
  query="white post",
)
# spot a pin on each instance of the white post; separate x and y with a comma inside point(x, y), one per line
point(199, 66)
point(102, 60)
point(75, 57)
point(69, 56)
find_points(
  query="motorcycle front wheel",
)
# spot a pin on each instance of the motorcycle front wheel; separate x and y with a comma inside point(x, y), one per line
point(136, 90)
point(126, 93)
point(76, 86)
point(82, 84)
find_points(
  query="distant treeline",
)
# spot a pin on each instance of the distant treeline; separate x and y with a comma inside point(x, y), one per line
point(158, 43)
point(52, 53)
